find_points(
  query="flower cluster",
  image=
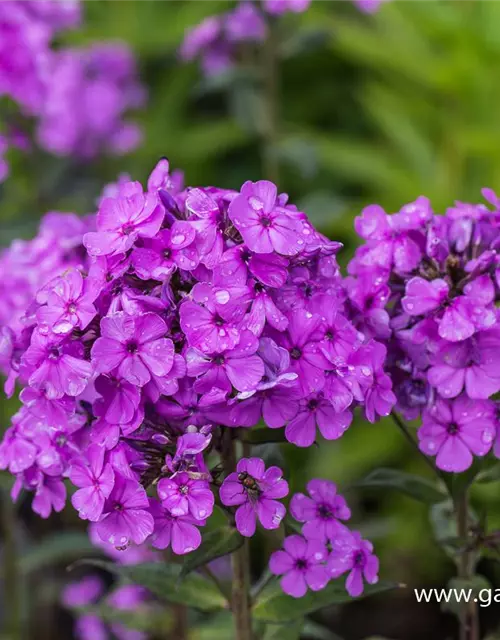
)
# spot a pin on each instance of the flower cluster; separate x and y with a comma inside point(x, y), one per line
point(326, 549)
point(192, 312)
point(428, 286)
point(90, 591)
point(85, 102)
point(219, 40)
point(78, 96)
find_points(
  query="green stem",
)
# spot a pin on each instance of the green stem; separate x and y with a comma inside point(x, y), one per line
point(270, 133)
point(240, 560)
point(11, 570)
point(180, 628)
point(469, 616)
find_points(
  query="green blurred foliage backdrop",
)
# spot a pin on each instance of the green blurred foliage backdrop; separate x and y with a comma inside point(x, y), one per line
point(377, 108)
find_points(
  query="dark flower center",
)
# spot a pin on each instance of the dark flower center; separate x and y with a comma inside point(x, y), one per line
point(218, 360)
point(183, 489)
point(127, 229)
point(166, 254)
point(324, 512)
point(453, 428)
point(312, 404)
point(359, 559)
point(118, 507)
point(218, 321)
point(301, 564)
point(266, 221)
point(329, 335)
point(132, 347)
point(295, 353)
point(72, 307)
point(54, 353)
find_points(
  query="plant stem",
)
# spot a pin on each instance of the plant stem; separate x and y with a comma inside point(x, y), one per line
point(180, 629)
point(240, 560)
point(469, 616)
point(13, 625)
point(270, 133)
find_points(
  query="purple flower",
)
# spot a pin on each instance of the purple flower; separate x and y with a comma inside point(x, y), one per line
point(134, 346)
point(95, 482)
point(125, 516)
point(180, 532)
point(278, 7)
point(84, 592)
point(316, 410)
point(351, 553)
point(171, 249)
point(240, 367)
point(122, 220)
point(321, 511)
point(301, 563)
point(471, 364)
point(264, 224)
point(69, 304)
point(245, 23)
point(53, 368)
point(454, 431)
point(255, 491)
point(182, 495)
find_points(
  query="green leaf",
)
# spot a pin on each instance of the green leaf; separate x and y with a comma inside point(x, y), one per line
point(318, 632)
point(143, 618)
point(491, 474)
point(57, 548)
point(414, 486)
point(218, 627)
point(274, 606)
point(163, 581)
point(462, 587)
point(216, 544)
point(289, 631)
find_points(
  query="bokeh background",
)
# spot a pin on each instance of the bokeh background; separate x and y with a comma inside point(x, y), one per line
point(372, 108)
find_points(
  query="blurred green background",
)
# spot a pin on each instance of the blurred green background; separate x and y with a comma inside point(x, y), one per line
point(379, 108)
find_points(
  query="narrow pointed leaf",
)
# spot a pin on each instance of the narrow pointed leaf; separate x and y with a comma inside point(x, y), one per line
point(414, 486)
point(163, 581)
point(276, 607)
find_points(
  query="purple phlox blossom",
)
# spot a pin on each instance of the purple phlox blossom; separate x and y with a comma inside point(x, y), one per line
point(458, 318)
point(316, 410)
point(269, 269)
point(182, 495)
point(179, 532)
point(456, 430)
point(119, 403)
point(255, 492)
point(379, 398)
point(301, 563)
point(95, 482)
point(245, 23)
point(322, 511)
point(369, 295)
point(50, 494)
point(125, 516)
point(84, 592)
point(171, 249)
point(240, 367)
point(264, 309)
point(471, 364)
point(392, 241)
point(278, 7)
point(69, 304)
point(214, 326)
point(133, 346)
point(88, 91)
point(306, 357)
point(350, 553)
point(122, 220)
point(265, 225)
point(56, 367)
